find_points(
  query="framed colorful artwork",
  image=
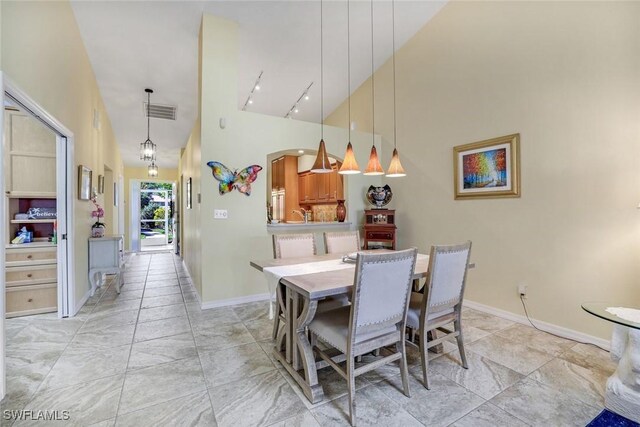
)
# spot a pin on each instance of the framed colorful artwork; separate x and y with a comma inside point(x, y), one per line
point(487, 169)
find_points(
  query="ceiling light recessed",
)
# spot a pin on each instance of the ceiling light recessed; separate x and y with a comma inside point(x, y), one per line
point(300, 151)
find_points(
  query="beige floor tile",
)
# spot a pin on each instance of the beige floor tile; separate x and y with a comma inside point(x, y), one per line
point(233, 364)
point(191, 410)
point(540, 405)
point(161, 383)
point(373, 408)
point(513, 354)
point(444, 403)
point(162, 350)
point(257, 401)
point(583, 384)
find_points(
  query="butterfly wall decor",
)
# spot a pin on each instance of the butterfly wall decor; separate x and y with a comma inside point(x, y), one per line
point(240, 180)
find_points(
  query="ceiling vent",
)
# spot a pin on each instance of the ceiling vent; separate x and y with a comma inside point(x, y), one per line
point(157, 111)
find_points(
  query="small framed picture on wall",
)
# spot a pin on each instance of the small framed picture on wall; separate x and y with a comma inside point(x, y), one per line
point(189, 199)
point(84, 182)
point(101, 184)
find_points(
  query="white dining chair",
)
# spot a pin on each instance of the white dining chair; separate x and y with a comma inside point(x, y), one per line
point(441, 302)
point(290, 246)
point(294, 245)
point(376, 317)
point(342, 242)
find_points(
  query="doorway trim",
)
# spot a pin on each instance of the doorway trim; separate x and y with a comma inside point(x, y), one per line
point(65, 179)
point(134, 213)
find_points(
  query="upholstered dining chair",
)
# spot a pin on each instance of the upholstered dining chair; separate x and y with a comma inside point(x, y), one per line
point(342, 242)
point(290, 246)
point(376, 317)
point(441, 302)
point(294, 245)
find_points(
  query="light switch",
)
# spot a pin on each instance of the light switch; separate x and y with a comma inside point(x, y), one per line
point(220, 214)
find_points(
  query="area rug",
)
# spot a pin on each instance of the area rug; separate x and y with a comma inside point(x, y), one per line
point(607, 418)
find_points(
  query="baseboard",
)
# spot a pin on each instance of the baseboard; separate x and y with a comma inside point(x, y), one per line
point(81, 303)
point(235, 301)
point(547, 327)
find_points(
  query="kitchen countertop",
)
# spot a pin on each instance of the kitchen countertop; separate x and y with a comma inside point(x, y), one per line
point(310, 224)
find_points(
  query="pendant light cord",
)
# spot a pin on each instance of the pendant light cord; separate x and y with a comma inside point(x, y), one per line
point(148, 109)
point(349, 63)
point(393, 44)
point(373, 86)
point(321, 79)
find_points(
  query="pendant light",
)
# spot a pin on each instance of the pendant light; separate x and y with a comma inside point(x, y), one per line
point(322, 164)
point(349, 165)
point(152, 170)
point(373, 167)
point(395, 167)
point(148, 148)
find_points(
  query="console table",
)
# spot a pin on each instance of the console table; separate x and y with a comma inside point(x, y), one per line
point(106, 256)
point(622, 394)
point(380, 227)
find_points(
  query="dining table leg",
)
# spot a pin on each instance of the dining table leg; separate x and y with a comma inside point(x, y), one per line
point(282, 333)
point(298, 358)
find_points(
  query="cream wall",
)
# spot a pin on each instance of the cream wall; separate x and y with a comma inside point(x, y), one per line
point(190, 225)
point(42, 52)
point(140, 173)
point(227, 246)
point(565, 75)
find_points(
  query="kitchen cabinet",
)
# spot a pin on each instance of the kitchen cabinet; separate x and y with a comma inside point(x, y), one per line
point(278, 174)
point(285, 191)
point(320, 188)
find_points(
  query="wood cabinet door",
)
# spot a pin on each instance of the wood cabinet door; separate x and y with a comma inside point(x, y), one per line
point(31, 156)
point(274, 175)
point(339, 187)
point(322, 180)
point(312, 187)
point(333, 186)
point(302, 189)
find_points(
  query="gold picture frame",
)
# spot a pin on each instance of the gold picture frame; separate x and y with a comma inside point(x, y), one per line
point(487, 169)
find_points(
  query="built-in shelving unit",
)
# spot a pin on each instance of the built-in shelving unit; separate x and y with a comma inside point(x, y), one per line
point(30, 174)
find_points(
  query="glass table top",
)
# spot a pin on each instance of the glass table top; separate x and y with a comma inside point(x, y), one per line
point(599, 309)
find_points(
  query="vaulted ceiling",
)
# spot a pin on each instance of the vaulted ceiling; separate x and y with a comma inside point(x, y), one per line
point(137, 44)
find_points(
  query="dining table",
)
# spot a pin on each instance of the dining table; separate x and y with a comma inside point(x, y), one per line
point(312, 280)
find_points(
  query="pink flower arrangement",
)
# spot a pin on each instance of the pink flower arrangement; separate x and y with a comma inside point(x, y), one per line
point(97, 213)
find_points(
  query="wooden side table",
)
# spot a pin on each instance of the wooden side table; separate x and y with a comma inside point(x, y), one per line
point(106, 256)
point(380, 228)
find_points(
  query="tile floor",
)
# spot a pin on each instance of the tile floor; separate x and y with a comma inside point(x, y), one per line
point(151, 357)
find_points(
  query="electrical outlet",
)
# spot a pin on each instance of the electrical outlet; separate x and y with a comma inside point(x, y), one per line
point(522, 290)
point(220, 214)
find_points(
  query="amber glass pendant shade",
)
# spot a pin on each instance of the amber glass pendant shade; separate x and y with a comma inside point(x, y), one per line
point(374, 167)
point(322, 164)
point(349, 164)
point(395, 168)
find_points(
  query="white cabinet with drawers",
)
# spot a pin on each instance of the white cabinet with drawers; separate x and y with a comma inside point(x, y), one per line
point(31, 278)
